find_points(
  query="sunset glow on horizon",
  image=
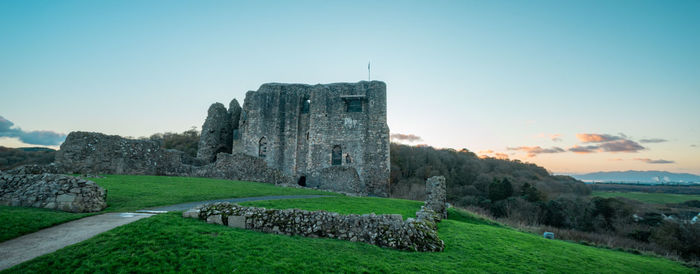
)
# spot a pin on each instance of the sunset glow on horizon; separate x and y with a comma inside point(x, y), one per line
point(574, 87)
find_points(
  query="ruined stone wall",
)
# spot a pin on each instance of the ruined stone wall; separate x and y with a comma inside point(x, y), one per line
point(295, 128)
point(382, 230)
point(217, 133)
point(97, 153)
point(52, 168)
point(51, 191)
point(240, 167)
point(436, 195)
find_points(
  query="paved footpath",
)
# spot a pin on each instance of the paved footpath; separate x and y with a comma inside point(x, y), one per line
point(45, 241)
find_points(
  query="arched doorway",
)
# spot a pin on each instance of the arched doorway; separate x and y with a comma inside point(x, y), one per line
point(262, 147)
point(337, 156)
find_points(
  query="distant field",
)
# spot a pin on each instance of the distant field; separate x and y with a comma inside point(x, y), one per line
point(654, 198)
point(170, 243)
point(671, 189)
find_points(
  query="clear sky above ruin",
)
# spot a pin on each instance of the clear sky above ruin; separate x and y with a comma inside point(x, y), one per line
point(574, 86)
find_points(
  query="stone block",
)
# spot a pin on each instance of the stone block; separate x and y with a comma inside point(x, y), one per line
point(236, 221)
point(65, 198)
point(215, 219)
point(192, 213)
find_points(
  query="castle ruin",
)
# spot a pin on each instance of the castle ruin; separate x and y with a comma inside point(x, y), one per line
point(332, 136)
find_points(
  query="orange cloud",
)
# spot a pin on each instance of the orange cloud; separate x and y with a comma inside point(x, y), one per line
point(596, 138)
point(501, 156)
point(533, 151)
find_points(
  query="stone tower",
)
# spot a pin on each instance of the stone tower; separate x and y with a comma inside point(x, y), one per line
point(332, 136)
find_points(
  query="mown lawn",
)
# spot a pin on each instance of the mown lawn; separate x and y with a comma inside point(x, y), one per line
point(346, 205)
point(17, 221)
point(170, 243)
point(653, 198)
point(128, 192)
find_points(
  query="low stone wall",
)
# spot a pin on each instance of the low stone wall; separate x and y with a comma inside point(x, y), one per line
point(52, 191)
point(382, 230)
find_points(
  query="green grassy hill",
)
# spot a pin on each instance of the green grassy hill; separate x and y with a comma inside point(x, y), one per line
point(168, 242)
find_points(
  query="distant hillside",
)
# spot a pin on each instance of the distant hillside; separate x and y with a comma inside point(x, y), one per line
point(470, 178)
point(633, 176)
point(14, 157)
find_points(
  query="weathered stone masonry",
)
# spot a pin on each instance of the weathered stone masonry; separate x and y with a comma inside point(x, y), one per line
point(345, 125)
point(97, 153)
point(331, 136)
point(51, 191)
point(419, 234)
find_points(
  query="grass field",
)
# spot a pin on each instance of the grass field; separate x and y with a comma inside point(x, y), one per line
point(653, 198)
point(346, 205)
point(126, 192)
point(17, 221)
point(170, 243)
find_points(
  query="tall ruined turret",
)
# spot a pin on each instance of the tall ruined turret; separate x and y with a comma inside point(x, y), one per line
point(234, 111)
point(217, 133)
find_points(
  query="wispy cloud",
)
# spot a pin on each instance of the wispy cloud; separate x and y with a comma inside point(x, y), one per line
point(406, 137)
point(621, 146)
point(37, 137)
point(597, 138)
point(555, 137)
point(533, 151)
point(584, 149)
point(659, 161)
point(605, 143)
point(653, 140)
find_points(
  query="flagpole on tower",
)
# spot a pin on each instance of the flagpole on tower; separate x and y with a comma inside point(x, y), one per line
point(369, 78)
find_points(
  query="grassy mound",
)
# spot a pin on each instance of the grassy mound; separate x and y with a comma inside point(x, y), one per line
point(652, 198)
point(168, 243)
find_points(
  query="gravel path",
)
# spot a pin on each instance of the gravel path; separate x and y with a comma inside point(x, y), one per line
point(45, 241)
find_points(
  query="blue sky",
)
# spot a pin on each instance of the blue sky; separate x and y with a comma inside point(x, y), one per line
point(500, 78)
